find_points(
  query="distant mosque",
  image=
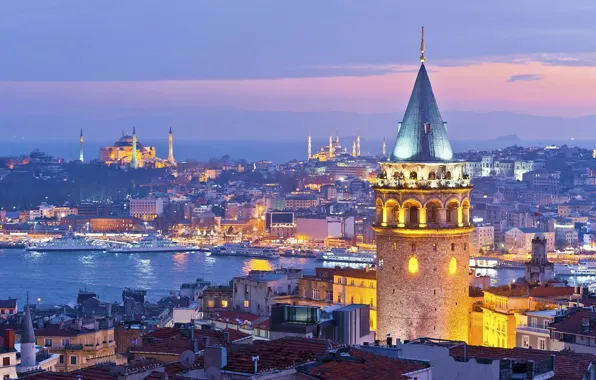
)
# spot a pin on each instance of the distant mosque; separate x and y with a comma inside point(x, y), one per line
point(128, 151)
point(333, 149)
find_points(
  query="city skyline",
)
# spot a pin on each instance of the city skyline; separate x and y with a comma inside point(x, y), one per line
point(534, 58)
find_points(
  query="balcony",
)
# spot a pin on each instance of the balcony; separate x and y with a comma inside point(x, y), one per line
point(383, 183)
point(533, 329)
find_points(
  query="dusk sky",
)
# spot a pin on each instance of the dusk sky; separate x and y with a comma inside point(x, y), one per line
point(72, 57)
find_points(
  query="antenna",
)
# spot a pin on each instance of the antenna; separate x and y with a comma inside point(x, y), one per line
point(187, 358)
point(422, 58)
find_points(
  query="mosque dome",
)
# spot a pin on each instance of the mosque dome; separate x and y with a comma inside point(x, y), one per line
point(498, 197)
point(126, 140)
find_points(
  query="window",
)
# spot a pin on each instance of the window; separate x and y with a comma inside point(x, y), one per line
point(381, 263)
point(534, 322)
point(352, 282)
point(61, 359)
point(246, 303)
point(541, 344)
point(525, 341)
point(6, 362)
point(413, 265)
point(394, 246)
point(434, 248)
point(47, 342)
point(452, 265)
point(210, 303)
point(73, 360)
point(224, 303)
point(546, 322)
point(65, 342)
point(413, 247)
point(338, 298)
point(453, 246)
point(372, 304)
point(352, 299)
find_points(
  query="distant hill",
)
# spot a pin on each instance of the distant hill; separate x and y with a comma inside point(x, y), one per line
point(218, 123)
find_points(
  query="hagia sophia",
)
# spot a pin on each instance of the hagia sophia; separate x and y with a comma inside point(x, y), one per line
point(128, 151)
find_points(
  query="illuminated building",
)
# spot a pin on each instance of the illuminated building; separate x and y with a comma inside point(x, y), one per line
point(423, 227)
point(146, 208)
point(129, 151)
point(357, 286)
point(500, 313)
point(81, 146)
point(384, 148)
point(330, 151)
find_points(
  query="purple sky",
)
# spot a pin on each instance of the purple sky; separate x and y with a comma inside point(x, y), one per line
point(68, 63)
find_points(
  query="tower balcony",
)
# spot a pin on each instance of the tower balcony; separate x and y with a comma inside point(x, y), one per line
point(390, 183)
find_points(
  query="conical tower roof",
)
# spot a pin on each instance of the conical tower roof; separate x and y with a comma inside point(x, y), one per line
point(422, 136)
point(28, 333)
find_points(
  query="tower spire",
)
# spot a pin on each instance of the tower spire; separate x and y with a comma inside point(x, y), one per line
point(81, 140)
point(354, 148)
point(28, 338)
point(337, 137)
point(384, 150)
point(422, 57)
point(331, 145)
point(309, 147)
point(171, 148)
point(358, 144)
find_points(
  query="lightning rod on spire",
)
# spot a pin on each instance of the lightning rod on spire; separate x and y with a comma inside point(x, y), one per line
point(422, 57)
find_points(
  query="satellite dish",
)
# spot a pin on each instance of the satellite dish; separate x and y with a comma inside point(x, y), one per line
point(187, 358)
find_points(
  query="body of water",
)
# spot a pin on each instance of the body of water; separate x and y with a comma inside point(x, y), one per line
point(56, 277)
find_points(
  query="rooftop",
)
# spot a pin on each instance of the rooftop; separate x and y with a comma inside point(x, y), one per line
point(572, 323)
point(357, 364)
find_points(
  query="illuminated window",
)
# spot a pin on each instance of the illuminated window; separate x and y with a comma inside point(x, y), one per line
point(413, 247)
point(452, 265)
point(246, 303)
point(413, 265)
point(210, 303)
point(434, 248)
point(453, 246)
point(394, 246)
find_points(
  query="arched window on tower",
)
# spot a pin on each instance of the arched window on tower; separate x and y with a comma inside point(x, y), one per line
point(413, 175)
point(432, 176)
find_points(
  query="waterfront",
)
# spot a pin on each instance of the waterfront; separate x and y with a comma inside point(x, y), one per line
point(56, 277)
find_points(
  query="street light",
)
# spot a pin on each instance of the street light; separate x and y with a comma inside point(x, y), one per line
point(38, 300)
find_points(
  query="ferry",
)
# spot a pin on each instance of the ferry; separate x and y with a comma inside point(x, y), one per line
point(68, 242)
point(485, 262)
point(244, 250)
point(152, 244)
point(583, 268)
point(343, 256)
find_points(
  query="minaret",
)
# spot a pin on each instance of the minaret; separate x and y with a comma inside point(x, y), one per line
point(337, 137)
point(133, 161)
point(81, 146)
point(171, 148)
point(358, 144)
point(384, 150)
point(28, 339)
point(309, 147)
point(354, 148)
point(331, 145)
point(422, 227)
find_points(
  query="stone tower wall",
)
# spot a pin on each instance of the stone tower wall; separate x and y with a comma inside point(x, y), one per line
point(432, 302)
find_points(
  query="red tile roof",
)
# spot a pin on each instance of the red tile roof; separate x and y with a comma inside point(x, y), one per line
point(511, 290)
point(568, 365)
point(91, 373)
point(572, 323)
point(364, 365)
point(552, 291)
point(174, 341)
point(366, 274)
point(276, 354)
point(57, 330)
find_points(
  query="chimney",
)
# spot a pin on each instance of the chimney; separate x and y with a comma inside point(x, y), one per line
point(389, 340)
point(215, 357)
point(226, 336)
point(9, 339)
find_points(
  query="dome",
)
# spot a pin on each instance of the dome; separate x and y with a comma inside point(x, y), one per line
point(126, 140)
point(498, 197)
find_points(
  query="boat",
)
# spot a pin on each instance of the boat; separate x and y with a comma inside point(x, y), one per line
point(485, 262)
point(583, 268)
point(298, 253)
point(343, 256)
point(153, 243)
point(68, 242)
point(245, 250)
point(11, 245)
